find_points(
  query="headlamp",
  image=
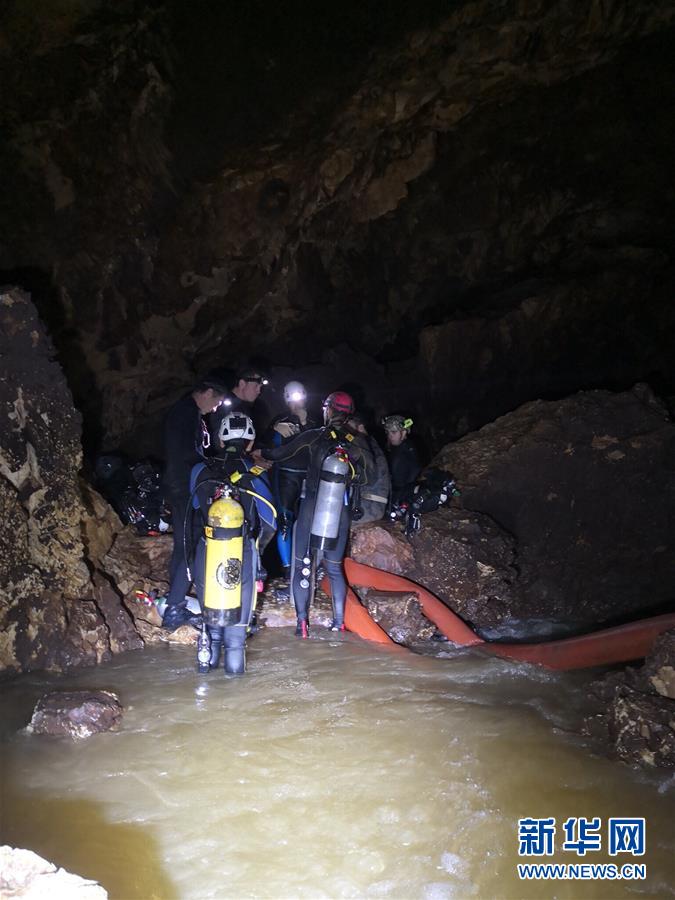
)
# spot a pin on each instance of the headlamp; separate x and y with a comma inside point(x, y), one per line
point(296, 397)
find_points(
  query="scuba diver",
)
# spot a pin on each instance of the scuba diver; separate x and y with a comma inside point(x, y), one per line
point(287, 478)
point(335, 460)
point(404, 463)
point(235, 500)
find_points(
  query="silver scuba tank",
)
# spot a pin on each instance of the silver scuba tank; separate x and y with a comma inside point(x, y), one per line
point(330, 498)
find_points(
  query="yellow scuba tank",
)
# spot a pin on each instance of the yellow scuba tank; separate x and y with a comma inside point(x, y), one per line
point(224, 535)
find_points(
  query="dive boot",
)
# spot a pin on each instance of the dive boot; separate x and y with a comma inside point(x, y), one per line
point(235, 661)
point(175, 616)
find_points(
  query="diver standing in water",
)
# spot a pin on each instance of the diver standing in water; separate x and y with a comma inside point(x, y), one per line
point(287, 477)
point(335, 459)
point(235, 500)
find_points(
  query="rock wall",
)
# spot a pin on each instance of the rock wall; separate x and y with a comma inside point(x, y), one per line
point(49, 614)
point(482, 208)
point(636, 709)
point(586, 487)
point(564, 520)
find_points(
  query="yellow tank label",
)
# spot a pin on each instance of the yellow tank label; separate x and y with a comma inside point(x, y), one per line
point(222, 576)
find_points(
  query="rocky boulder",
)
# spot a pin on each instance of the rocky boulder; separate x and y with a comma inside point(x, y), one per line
point(463, 557)
point(383, 546)
point(585, 486)
point(76, 714)
point(25, 874)
point(635, 719)
point(660, 665)
point(400, 615)
point(137, 565)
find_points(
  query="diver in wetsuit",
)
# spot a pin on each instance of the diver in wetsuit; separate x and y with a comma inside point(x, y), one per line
point(233, 468)
point(287, 477)
point(312, 450)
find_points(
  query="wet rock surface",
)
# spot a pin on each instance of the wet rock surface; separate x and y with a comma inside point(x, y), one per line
point(463, 557)
point(399, 614)
point(76, 714)
point(636, 709)
point(274, 612)
point(25, 874)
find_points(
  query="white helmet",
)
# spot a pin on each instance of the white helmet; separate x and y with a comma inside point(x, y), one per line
point(236, 426)
point(294, 392)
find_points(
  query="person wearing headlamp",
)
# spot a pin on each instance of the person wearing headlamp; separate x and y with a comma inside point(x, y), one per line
point(404, 463)
point(287, 477)
point(248, 383)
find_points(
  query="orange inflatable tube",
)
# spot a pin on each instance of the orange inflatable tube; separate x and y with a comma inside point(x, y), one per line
point(622, 643)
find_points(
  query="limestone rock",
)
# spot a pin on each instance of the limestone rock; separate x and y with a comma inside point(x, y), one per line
point(123, 633)
point(400, 615)
point(636, 709)
point(382, 546)
point(642, 728)
point(76, 714)
point(467, 560)
point(26, 875)
point(142, 563)
point(463, 557)
point(46, 615)
point(660, 665)
point(100, 524)
point(585, 486)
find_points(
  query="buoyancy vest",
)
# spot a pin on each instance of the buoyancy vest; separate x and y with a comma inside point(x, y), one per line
point(243, 473)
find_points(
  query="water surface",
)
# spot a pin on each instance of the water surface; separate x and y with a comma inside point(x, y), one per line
point(335, 768)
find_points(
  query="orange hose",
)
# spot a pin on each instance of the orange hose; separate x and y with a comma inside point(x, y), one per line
point(622, 643)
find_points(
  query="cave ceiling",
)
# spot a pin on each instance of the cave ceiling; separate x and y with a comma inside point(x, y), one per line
point(459, 206)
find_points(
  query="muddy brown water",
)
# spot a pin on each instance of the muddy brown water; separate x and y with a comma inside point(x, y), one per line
point(335, 768)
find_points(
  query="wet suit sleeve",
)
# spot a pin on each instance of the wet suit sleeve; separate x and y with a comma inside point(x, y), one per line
point(292, 448)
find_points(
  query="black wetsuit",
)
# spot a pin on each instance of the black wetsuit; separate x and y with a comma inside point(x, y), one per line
point(404, 466)
point(308, 450)
point(287, 479)
point(183, 442)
